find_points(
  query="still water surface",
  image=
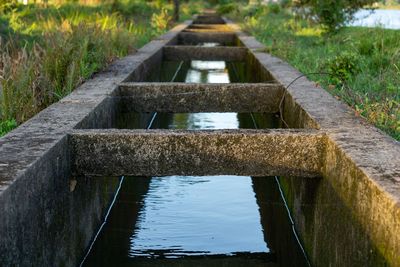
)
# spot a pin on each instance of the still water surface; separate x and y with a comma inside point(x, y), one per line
point(183, 216)
point(389, 19)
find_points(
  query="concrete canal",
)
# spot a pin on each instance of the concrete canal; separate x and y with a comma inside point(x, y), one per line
point(199, 151)
point(194, 220)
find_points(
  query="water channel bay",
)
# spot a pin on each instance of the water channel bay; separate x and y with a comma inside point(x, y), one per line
point(192, 220)
point(222, 220)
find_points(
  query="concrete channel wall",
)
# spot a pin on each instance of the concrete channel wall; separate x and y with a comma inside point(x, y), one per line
point(52, 199)
point(361, 163)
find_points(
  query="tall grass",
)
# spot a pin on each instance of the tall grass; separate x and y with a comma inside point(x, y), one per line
point(367, 59)
point(46, 51)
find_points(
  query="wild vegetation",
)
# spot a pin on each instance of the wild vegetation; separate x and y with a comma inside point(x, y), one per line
point(331, 14)
point(360, 66)
point(47, 49)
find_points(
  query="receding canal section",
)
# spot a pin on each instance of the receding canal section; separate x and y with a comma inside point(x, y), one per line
point(194, 220)
point(224, 220)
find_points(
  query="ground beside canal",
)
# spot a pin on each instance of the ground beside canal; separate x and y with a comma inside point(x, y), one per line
point(367, 59)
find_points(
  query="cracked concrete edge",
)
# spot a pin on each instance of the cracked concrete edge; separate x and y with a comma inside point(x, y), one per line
point(24, 146)
point(369, 159)
point(183, 152)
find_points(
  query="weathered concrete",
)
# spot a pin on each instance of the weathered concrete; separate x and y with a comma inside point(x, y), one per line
point(177, 152)
point(208, 19)
point(330, 232)
point(362, 163)
point(206, 29)
point(195, 38)
point(186, 97)
point(359, 162)
point(38, 211)
point(210, 27)
point(186, 53)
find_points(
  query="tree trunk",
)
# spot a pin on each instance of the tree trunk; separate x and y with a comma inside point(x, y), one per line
point(176, 10)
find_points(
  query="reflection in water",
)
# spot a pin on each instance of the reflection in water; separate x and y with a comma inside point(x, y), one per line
point(197, 121)
point(197, 216)
point(207, 72)
point(206, 121)
point(193, 121)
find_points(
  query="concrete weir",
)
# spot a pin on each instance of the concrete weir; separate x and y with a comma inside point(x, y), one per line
point(53, 193)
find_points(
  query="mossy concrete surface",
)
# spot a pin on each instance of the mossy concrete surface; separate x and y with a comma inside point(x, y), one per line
point(187, 53)
point(40, 161)
point(362, 163)
point(195, 38)
point(178, 152)
point(191, 97)
point(48, 217)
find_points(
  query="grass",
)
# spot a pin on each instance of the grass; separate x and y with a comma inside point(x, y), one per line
point(367, 60)
point(47, 51)
point(388, 5)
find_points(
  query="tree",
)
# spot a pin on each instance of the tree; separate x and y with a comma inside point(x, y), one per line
point(333, 14)
point(176, 10)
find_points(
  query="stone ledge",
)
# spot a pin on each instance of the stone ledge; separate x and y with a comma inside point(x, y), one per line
point(178, 152)
point(195, 38)
point(187, 53)
point(186, 97)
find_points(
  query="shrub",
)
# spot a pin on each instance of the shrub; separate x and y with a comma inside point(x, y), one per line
point(6, 126)
point(274, 8)
point(366, 47)
point(286, 3)
point(332, 14)
point(227, 8)
point(343, 67)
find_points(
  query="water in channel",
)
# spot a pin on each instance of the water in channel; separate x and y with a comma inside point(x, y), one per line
point(198, 221)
